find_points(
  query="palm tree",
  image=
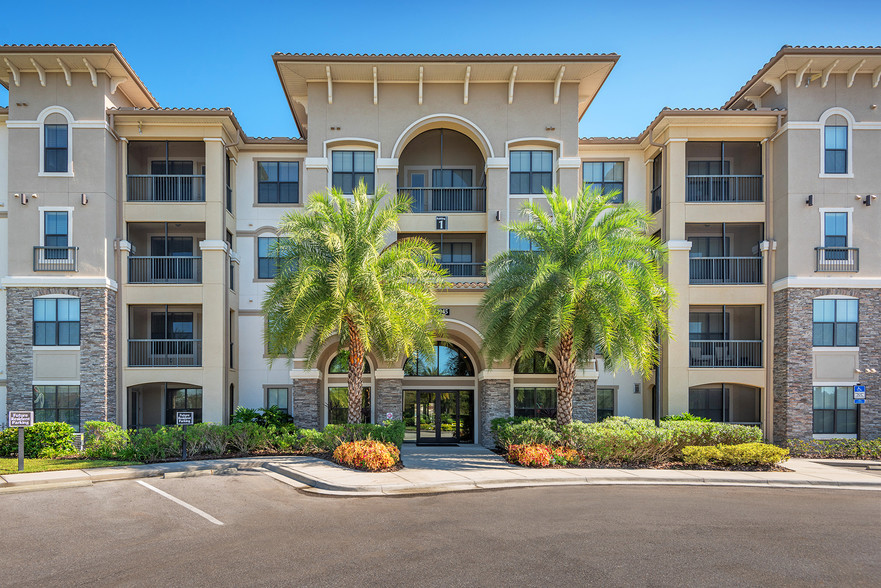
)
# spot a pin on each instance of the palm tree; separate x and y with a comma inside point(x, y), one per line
point(336, 276)
point(592, 280)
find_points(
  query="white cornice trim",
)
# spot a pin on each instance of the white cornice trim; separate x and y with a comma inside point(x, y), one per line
point(587, 374)
point(388, 374)
point(213, 245)
point(676, 140)
point(212, 139)
point(77, 124)
point(315, 163)
point(496, 163)
point(825, 282)
point(387, 163)
point(57, 282)
point(304, 374)
point(500, 374)
point(235, 257)
point(125, 246)
point(568, 162)
point(679, 245)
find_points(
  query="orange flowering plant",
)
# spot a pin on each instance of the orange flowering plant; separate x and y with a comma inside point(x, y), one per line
point(369, 455)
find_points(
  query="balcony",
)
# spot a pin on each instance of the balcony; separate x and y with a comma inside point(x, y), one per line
point(724, 253)
point(164, 352)
point(166, 171)
point(725, 337)
point(55, 259)
point(164, 336)
point(837, 259)
point(723, 171)
point(443, 171)
point(165, 253)
point(156, 269)
point(463, 255)
point(464, 270)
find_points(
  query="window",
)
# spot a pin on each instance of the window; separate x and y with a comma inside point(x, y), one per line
point(338, 406)
point(228, 183)
point(277, 397)
point(518, 243)
point(457, 259)
point(267, 260)
point(605, 403)
point(539, 363)
point(835, 235)
point(836, 323)
point(58, 404)
point(708, 403)
point(835, 145)
point(56, 321)
point(56, 230)
point(183, 400)
point(448, 360)
point(657, 181)
point(55, 148)
point(278, 182)
point(535, 402)
point(350, 167)
point(834, 410)
point(531, 171)
point(608, 176)
point(340, 364)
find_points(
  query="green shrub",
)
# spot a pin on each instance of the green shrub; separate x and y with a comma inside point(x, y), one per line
point(753, 454)
point(274, 417)
point(620, 440)
point(524, 431)
point(836, 448)
point(388, 432)
point(244, 415)
point(148, 445)
point(685, 416)
point(710, 433)
point(104, 440)
point(247, 437)
point(40, 440)
point(206, 439)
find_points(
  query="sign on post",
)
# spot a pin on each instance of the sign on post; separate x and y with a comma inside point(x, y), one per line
point(21, 419)
point(859, 393)
point(184, 418)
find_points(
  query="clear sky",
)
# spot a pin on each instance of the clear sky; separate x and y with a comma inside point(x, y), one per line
point(673, 53)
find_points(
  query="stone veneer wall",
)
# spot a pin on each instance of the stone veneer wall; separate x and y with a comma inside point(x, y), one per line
point(389, 399)
point(305, 401)
point(494, 401)
point(97, 349)
point(584, 401)
point(793, 360)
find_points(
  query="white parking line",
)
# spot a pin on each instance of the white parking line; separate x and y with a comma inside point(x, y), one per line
point(201, 513)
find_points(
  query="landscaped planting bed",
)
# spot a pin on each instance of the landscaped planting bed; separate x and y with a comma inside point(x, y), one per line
point(635, 443)
point(836, 448)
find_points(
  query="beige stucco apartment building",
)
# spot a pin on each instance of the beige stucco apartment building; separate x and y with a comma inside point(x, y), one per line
point(135, 240)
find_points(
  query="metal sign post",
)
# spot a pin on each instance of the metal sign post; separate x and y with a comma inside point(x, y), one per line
point(21, 419)
point(183, 419)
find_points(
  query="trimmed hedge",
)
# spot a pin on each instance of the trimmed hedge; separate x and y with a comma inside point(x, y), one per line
point(836, 448)
point(745, 454)
point(40, 440)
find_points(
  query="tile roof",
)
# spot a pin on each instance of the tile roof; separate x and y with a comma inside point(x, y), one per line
point(468, 285)
point(443, 55)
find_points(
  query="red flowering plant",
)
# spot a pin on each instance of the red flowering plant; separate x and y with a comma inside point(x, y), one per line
point(369, 455)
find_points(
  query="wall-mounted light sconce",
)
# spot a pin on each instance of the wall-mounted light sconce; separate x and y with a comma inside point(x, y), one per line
point(85, 199)
point(498, 215)
point(810, 200)
point(23, 197)
point(867, 200)
point(636, 388)
point(550, 128)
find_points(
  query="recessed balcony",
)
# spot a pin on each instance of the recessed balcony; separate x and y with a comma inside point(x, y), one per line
point(166, 171)
point(725, 337)
point(165, 253)
point(165, 336)
point(722, 171)
point(724, 253)
point(463, 255)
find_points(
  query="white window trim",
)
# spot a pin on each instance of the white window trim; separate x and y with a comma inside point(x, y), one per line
point(849, 212)
point(850, 124)
point(351, 144)
point(41, 120)
point(42, 211)
point(534, 144)
point(265, 233)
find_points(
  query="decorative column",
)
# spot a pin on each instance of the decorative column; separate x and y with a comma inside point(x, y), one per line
point(388, 395)
point(215, 316)
point(584, 400)
point(305, 397)
point(676, 351)
point(493, 401)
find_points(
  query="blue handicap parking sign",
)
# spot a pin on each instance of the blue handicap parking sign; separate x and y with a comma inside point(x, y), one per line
point(859, 389)
point(859, 400)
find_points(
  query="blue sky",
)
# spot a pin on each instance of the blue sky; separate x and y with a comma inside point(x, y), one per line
point(677, 54)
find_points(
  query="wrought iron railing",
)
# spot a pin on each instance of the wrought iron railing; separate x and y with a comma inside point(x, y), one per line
point(156, 269)
point(166, 188)
point(725, 270)
point(725, 353)
point(723, 188)
point(470, 199)
point(55, 259)
point(837, 259)
point(164, 352)
point(464, 270)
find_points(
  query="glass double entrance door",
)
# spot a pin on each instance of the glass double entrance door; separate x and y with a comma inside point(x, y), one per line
point(439, 416)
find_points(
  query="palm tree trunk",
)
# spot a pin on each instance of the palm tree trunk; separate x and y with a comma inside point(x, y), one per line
point(565, 381)
point(356, 373)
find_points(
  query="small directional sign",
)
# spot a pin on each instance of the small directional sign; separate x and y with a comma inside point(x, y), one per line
point(184, 418)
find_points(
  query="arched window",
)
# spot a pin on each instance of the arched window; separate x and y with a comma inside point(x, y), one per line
point(448, 360)
point(56, 141)
point(340, 364)
point(539, 363)
point(835, 145)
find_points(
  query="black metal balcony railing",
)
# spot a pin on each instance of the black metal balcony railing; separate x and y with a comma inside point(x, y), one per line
point(838, 259)
point(55, 259)
point(726, 353)
point(656, 199)
point(166, 188)
point(464, 270)
point(470, 199)
point(723, 188)
point(725, 270)
point(164, 270)
point(164, 352)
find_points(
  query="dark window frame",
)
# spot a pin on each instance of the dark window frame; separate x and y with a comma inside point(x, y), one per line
point(278, 390)
point(340, 364)
point(339, 415)
point(263, 263)
point(837, 153)
point(58, 324)
point(833, 325)
point(606, 186)
point(532, 409)
point(55, 157)
point(170, 411)
point(543, 178)
point(844, 420)
point(55, 411)
point(414, 366)
point(340, 176)
point(263, 186)
point(604, 413)
point(538, 363)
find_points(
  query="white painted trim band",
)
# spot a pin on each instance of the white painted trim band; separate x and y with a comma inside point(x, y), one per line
point(679, 245)
point(303, 374)
point(315, 163)
point(57, 282)
point(825, 282)
point(500, 374)
point(388, 374)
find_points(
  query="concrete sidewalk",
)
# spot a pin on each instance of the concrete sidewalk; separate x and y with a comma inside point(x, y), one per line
point(451, 469)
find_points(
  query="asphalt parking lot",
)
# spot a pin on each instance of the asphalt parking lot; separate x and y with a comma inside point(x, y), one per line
point(125, 533)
